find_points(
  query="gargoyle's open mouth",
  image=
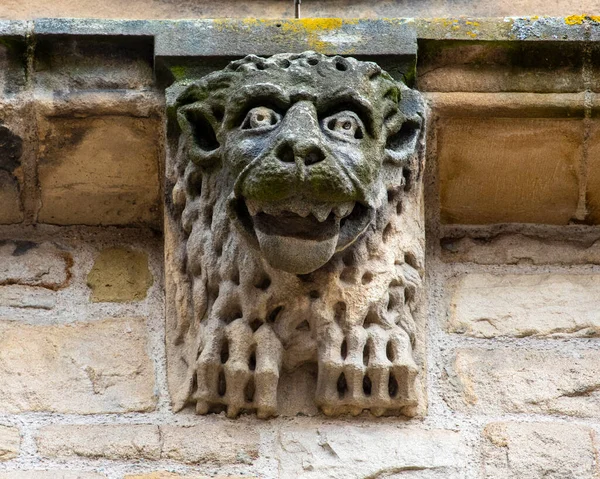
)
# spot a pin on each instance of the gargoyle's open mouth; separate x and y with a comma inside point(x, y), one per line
point(297, 235)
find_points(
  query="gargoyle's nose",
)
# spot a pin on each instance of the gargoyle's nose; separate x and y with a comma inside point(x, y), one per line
point(308, 153)
point(300, 136)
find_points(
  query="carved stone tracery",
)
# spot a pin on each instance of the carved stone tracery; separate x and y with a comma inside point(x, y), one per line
point(295, 235)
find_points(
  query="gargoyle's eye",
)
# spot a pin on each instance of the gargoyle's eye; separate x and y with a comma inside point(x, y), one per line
point(260, 117)
point(346, 124)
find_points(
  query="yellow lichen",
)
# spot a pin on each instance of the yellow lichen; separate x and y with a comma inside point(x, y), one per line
point(472, 34)
point(310, 29)
point(575, 19)
point(313, 25)
point(475, 24)
point(313, 28)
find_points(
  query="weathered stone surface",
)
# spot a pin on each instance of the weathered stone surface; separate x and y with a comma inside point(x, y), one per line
point(12, 63)
point(463, 66)
point(318, 8)
point(524, 381)
point(49, 474)
point(213, 442)
point(172, 475)
point(11, 170)
point(10, 199)
point(68, 62)
point(500, 170)
point(34, 264)
point(536, 450)
point(344, 451)
point(18, 296)
point(593, 173)
point(507, 104)
point(99, 170)
point(120, 275)
point(520, 248)
point(103, 365)
point(10, 441)
point(556, 305)
point(106, 441)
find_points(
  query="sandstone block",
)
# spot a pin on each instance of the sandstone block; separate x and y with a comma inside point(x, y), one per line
point(118, 441)
point(12, 64)
point(103, 365)
point(10, 199)
point(593, 173)
point(18, 296)
point(10, 441)
point(521, 248)
point(172, 475)
point(50, 474)
point(502, 170)
point(524, 381)
point(348, 451)
point(507, 104)
point(11, 173)
point(535, 450)
point(119, 275)
point(468, 66)
point(99, 170)
point(215, 442)
point(67, 63)
point(34, 264)
point(554, 305)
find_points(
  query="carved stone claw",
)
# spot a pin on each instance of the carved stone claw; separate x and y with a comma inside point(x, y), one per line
point(239, 371)
point(372, 369)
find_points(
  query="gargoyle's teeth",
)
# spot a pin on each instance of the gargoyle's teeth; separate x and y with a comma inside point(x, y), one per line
point(301, 209)
point(254, 207)
point(344, 209)
point(321, 212)
point(271, 209)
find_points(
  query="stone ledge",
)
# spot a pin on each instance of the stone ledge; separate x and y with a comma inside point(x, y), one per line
point(232, 37)
point(573, 28)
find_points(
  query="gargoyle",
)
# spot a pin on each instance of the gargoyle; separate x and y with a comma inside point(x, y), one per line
point(294, 235)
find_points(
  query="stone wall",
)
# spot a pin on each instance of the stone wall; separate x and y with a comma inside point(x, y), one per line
point(512, 263)
point(169, 9)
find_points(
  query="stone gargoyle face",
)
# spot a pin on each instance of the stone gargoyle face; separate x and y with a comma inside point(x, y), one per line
point(308, 143)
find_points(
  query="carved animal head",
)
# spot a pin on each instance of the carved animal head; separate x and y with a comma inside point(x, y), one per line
point(307, 146)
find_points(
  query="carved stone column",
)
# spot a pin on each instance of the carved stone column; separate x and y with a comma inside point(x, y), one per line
point(294, 235)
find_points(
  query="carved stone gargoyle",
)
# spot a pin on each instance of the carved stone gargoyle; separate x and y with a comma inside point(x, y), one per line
point(294, 235)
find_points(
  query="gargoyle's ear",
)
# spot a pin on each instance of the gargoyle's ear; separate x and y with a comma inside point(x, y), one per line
point(200, 120)
point(404, 131)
